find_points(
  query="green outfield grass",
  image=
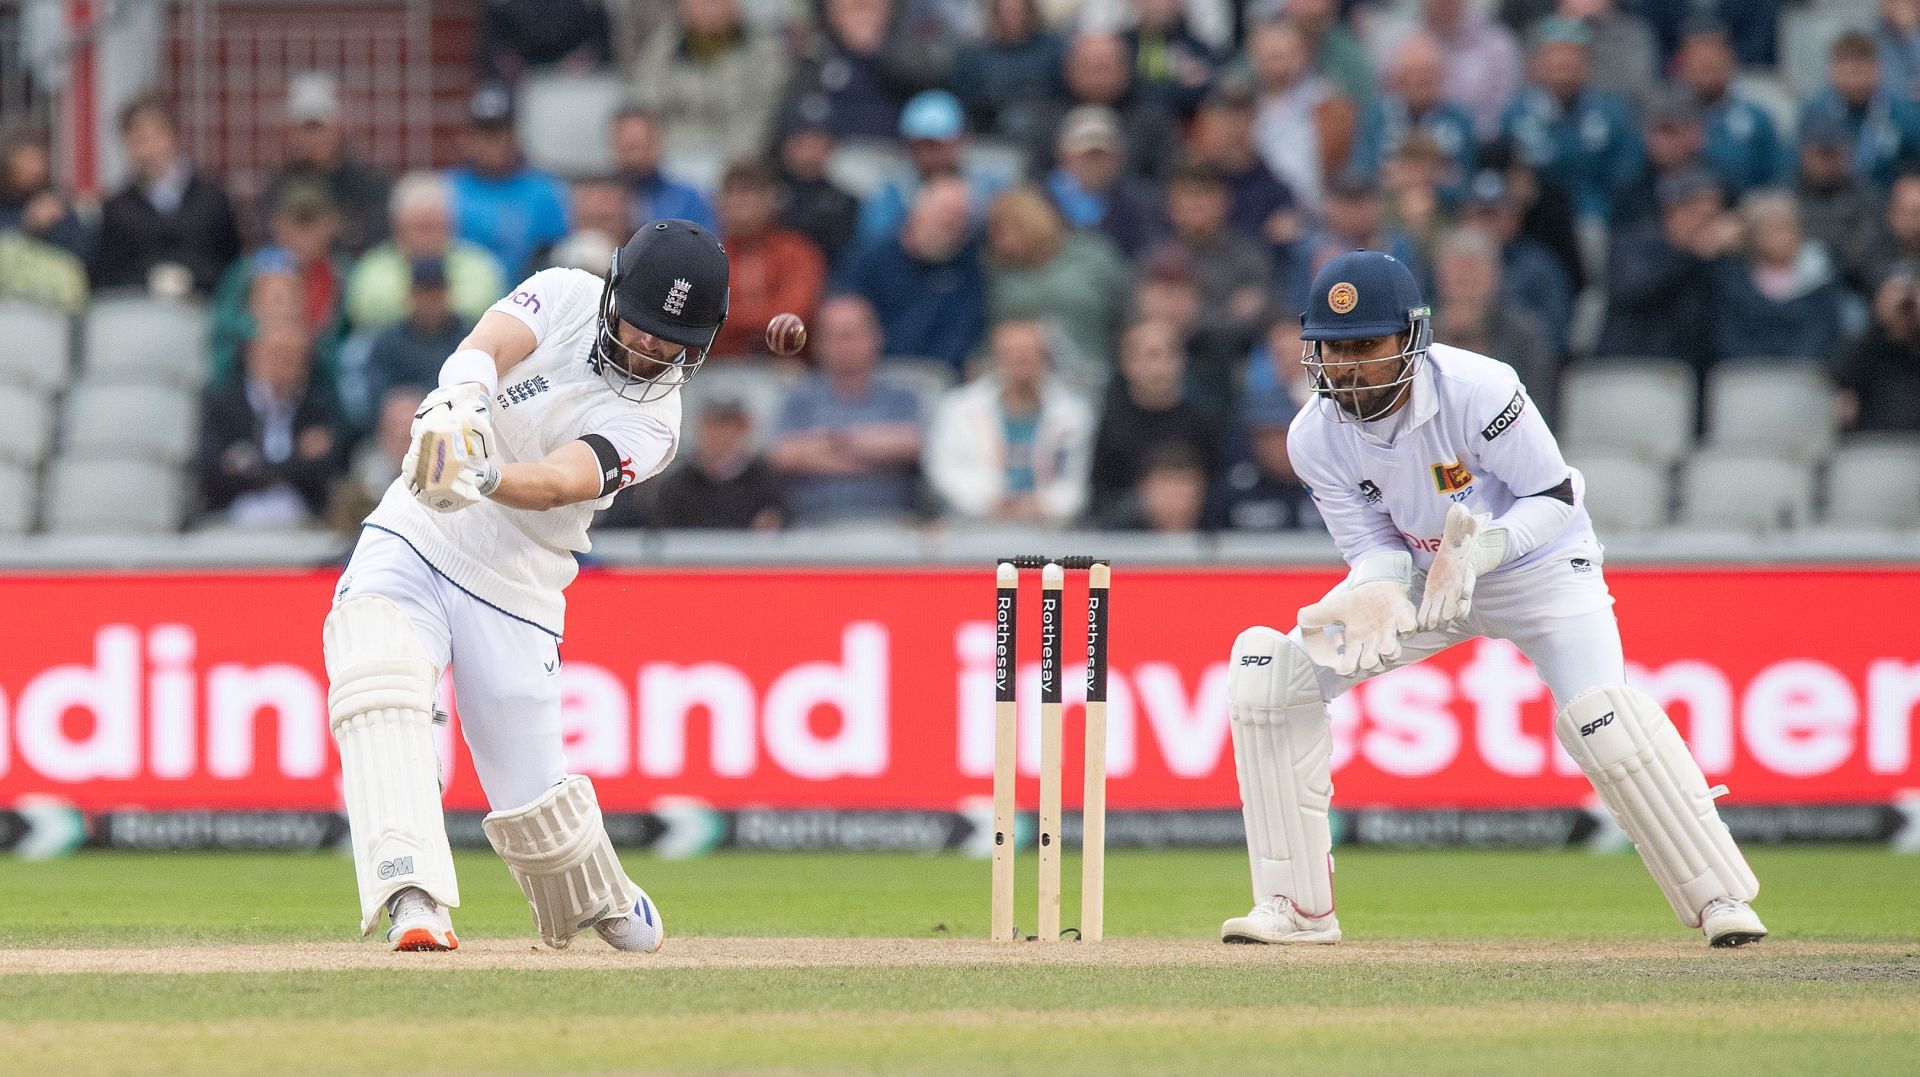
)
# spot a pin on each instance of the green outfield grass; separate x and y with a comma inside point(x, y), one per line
point(1456, 962)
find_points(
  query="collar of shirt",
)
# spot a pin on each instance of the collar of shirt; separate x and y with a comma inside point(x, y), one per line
point(166, 193)
point(276, 420)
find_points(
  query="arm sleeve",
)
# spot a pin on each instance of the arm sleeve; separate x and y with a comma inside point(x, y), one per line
point(631, 449)
point(1358, 528)
point(551, 301)
point(1517, 448)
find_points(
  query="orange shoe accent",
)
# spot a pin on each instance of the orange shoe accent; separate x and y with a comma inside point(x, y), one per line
point(420, 940)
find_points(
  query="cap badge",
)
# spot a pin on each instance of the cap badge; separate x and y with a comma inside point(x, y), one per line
point(677, 297)
point(1343, 297)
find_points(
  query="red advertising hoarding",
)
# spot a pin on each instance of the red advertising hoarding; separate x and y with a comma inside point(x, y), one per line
point(796, 688)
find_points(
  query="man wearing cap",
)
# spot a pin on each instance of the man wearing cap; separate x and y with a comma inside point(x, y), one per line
point(1742, 145)
point(500, 202)
point(1458, 518)
point(410, 351)
point(934, 127)
point(1529, 273)
point(1571, 132)
point(1837, 208)
point(1092, 189)
point(1099, 71)
point(1675, 139)
point(317, 153)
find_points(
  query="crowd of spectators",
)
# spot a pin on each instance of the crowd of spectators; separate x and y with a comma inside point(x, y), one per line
point(1102, 221)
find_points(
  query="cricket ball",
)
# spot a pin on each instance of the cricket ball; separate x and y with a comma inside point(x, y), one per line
point(786, 334)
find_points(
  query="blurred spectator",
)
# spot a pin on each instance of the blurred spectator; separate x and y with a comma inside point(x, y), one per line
point(1231, 272)
point(1837, 208)
point(1260, 206)
point(408, 353)
point(712, 81)
point(1166, 289)
point(934, 129)
point(1261, 491)
point(1529, 274)
point(1169, 498)
point(1884, 124)
point(169, 229)
point(376, 462)
point(1661, 299)
point(638, 143)
point(1147, 407)
point(1895, 238)
point(848, 441)
point(1483, 59)
point(1547, 215)
point(516, 211)
point(1169, 62)
point(1210, 21)
point(926, 283)
point(301, 230)
point(270, 444)
point(1337, 53)
point(1897, 33)
point(1008, 78)
point(1676, 141)
point(517, 35)
point(863, 68)
point(726, 484)
point(1626, 55)
point(1074, 282)
point(316, 148)
point(773, 269)
point(29, 204)
point(1304, 127)
point(1778, 297)
point(422, 228)
point(598, 206)
point(810, 202)
point(1471, 312)
point(1416, 198)
point(1879, 377)
point(1742, 144)
point(1580, 136)
point(1750, 25)
point(1413, 102)
point(1094, 193)
point(1014, 444)
point(1353, 218)
point(1099, 72)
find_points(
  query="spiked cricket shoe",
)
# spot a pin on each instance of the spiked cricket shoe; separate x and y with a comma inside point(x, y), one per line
point(1726, 922)
point(419, 923)
point(640, 931)
point(1278, 921)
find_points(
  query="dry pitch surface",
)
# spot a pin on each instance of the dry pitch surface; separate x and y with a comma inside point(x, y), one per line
point(1457, 963)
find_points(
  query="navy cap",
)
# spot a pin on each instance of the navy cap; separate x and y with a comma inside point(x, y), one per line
point(1361, 294)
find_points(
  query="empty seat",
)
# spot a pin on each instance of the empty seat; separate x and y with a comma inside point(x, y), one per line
point(140, 340)
point(1624, 493)
point(1874, 480)
point(1807, 35)
point(859, 168)
point(928, 379)
point(1639, 407)
point(121, 497)
point(1781, 406)
point(26, 421)
point(564, 121)
point(1730, 489)
point(16, 500)
point(38, 351)
point(156, 422)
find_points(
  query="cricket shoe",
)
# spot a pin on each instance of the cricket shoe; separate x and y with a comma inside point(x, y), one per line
point(419, 922)
point(1726, 922)
point(1280, 921)
point(641, 931)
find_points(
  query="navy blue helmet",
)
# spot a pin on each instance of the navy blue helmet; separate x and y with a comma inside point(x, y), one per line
point(1360, 295)
point(669, 280)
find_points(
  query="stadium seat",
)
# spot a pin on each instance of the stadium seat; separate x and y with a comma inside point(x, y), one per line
point(120, 497)
point(928, 379)
point(564, 121)
point(1775, 97)
point(16, 500)
point(1874, 481)
point(859, 168)
point(155, 422)
point(1806, 34)
point(1644, 407)
point(761, 387)
point(26, 421)
point(695, 161)
point(1624, 493)
point(146, 341)
point(39, 346)
point(1776, 405)
point(1751, 491)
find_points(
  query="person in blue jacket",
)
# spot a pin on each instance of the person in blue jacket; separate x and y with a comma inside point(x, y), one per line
point(500, 202)
point(1570, 132)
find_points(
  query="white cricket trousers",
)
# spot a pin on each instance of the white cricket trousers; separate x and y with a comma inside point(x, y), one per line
point(506, 671)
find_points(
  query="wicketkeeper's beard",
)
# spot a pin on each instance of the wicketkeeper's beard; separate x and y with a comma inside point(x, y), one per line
point(1366, 404)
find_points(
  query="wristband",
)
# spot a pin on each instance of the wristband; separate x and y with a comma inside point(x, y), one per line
point(470, 365)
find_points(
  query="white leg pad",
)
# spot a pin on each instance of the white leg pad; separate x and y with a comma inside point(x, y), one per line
point(558, 851)
point(1283, 751)
point(380, 705)
point(1643, 772)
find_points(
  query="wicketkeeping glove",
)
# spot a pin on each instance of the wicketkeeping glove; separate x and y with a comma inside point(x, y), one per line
point(1469, 546)
point(1371, 616)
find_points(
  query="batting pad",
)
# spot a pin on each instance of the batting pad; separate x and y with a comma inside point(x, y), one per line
point(558, 851)
point(1283, 752)
point(380, 705)
point(1650, 782)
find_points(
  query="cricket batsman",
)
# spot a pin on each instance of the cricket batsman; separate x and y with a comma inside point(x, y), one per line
point(1457, 517)
point(565, 392)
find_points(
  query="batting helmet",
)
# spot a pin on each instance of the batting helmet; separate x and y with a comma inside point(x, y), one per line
point(669, 280)
point(1359, 295)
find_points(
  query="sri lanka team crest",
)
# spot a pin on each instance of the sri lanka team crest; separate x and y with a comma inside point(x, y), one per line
point(1451, 478)
point(1343, 297)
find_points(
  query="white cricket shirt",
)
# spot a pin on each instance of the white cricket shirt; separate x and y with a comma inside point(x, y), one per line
point(1469, 434)
point(520, 560)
